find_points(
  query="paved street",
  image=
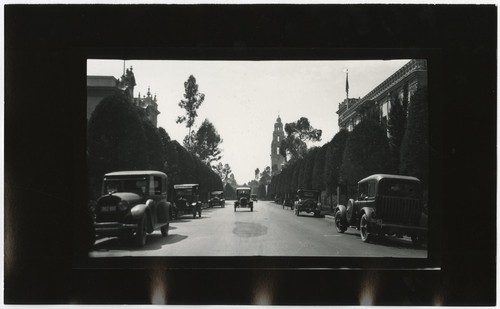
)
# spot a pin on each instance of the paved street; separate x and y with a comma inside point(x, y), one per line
point(269, 230)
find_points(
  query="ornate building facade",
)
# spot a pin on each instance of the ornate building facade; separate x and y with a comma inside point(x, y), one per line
point(99, 87)
point(403, 84)
point(277, 160)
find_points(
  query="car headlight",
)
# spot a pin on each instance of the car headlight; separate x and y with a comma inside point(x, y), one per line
point(193, 204)
point(123, 205)
point(319, 204)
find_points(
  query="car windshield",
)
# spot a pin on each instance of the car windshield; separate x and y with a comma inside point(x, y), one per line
point(243, 193)
point(184, 193)
point(308, 194)
point(129, 184)
point(393, 187)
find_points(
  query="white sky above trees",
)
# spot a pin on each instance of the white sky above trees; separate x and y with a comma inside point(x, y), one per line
point(243, 98)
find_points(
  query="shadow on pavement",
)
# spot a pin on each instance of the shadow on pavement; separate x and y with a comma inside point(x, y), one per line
point(153, 242)
point(388, 241)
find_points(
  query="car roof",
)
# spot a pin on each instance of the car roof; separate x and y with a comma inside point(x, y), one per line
point(135, 173)
point(243, 188)
point(378, 177)
point(185, 186)
point(307, 190)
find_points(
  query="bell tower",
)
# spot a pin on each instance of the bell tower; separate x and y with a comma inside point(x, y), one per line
point(277, 160)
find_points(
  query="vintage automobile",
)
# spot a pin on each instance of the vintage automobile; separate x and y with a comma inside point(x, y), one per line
point(288, 201)
point(385, 205)
point(243, 199)
point(216, 198)
point(308, 202)
point(133, 204)
point(254, 197)
point(186, 200)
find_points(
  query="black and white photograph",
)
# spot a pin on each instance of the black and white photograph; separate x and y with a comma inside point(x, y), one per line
point(250, 154)
point(258, 158)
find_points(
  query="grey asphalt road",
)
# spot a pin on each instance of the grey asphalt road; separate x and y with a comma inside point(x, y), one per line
point(269, 230)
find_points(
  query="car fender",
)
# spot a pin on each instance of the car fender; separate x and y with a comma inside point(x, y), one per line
point(369, 211)
point(342, 210)
point(138, 211)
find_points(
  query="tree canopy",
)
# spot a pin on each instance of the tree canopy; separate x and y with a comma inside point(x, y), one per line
point(366, 152)
point(415, 144)
point(205, 143)
point(298, 133)
point(191, 103)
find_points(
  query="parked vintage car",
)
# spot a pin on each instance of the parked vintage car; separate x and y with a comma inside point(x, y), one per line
point(186, 200)
point(254, 197)
point(133, 204)
point(216, 198)
point(288, 201)
point(308, 202)
point(385, 205)
point(243, 199)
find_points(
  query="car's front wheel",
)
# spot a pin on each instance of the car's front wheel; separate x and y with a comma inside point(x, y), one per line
point(363, 229)
point(140, 235)
point(339, 224)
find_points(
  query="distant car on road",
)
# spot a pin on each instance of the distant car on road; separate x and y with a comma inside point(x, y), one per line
point(385, 205)
point(133, 204)
point(243, 199)
point(186, 200)
point(216, 198)
point(254, 197)
point(308, 202)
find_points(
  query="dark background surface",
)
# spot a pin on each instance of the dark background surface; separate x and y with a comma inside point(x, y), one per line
point(45, 96)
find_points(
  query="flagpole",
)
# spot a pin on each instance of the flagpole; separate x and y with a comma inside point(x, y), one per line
point(347, 87)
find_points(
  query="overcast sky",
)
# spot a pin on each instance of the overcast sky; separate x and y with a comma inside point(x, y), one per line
point(244, 98)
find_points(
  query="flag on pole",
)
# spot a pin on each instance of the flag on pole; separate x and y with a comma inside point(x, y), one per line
point(347, 83)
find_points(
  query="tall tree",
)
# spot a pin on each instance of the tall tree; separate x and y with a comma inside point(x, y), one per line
point(333, 160)
point(366, 152)
point(257, 172)
point(115, 139)
point(205, 143)
point(265, 176)
point(154, 147)
point(308, 167)
point(223, 170)
point(191, 103)
point(232, 181)
point(294, 144)
point(318, 182)
point(229, 192)
point(415, 145)
point(396, 126)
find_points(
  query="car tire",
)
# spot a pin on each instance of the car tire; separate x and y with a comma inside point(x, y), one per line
point(363, 229)
point(194, 212)
point(251, 208)
point(140, 235)
point(164, 230)
point(416, 240)
point(339, 224)
point(199, 213)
